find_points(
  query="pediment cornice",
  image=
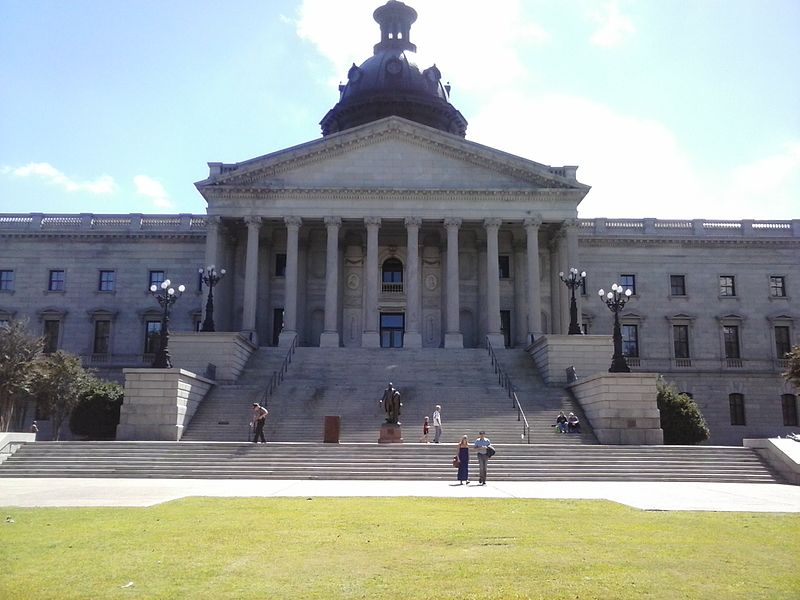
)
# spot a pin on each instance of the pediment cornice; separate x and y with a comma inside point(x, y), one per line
point(245, 193)
point(248, 173)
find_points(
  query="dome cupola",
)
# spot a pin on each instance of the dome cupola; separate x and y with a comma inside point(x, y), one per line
point(390, 83)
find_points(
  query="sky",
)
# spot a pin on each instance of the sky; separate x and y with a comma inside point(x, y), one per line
point(672, 109)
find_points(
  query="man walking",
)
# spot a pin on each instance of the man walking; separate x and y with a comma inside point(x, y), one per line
point(437, 424)
point(259, 419)
point(481, 444)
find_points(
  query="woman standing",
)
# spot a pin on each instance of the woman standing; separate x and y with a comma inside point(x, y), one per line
point(463, 460)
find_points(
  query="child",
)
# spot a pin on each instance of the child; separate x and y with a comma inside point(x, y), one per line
point(425, 428)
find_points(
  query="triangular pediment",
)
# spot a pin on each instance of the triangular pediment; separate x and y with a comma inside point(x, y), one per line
point(392, 153)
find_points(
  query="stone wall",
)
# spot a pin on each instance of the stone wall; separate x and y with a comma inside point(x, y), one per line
point(228, 352)
point(589, 354)
point(159, 403)
point(621, 407)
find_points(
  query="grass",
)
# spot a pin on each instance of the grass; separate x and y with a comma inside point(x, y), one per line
point(396, 548)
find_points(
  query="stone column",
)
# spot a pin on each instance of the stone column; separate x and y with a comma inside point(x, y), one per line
point(493, 324)
point(534, 291)
point(519, 317)
point(412, 338)
point(573, 260)
point(330, 335)
point(251, 278)
point(452, 337)
point(370, 337)
point(563, 292)
point(212, 249)
point(555, 283)
point(289, 332)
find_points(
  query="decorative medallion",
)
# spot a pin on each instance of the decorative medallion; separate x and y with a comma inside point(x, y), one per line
point(353, 281)
point(431, 282)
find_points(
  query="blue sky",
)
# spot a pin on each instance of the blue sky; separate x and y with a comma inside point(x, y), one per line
point(671, 108)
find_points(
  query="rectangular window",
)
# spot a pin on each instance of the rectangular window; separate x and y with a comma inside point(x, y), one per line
point(106, 283)
point(152, 337)
point(102, 334)
point(583, 285)
point(783, 343)
point(200, 281)
point(731, 335)
point(280, 265)
point(677, 285)
point(777, 286)
point(727, 285)
point(155, 278)
point(628, 282)
point(680, 337)
point(6, 280)
point(737, 409)
point(789, 406)
point(630, 340)
point(55, 282)
point(504, 263)
point(51, 328)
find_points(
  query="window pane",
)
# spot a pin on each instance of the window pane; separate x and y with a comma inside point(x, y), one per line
point(106, 281)
point(737, 409)
point(677, 285)
point(6, 280)
point(56, 282)
point(392, 271)
point(155, 278)
point(152, 337)
point(680, 334)
point(789, 406)
point(630, 340)
point(102, 330)
point(628, 282)
point(505, 266)
point(280, 265)
point(777, 286)
point(51, 328)
point(783, 343)
point(727, 285)
point(731, 333)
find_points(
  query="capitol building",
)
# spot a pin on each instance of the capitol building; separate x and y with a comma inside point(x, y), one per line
point(393, 231)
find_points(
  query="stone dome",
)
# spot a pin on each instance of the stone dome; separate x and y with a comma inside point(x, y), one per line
point(390, 83)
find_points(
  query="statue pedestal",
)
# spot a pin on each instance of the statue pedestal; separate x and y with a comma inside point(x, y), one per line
point(390, 434)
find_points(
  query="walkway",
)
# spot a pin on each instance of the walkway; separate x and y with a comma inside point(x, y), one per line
point(729, 497)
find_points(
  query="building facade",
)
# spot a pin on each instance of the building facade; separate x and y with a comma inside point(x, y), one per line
point(393, 230)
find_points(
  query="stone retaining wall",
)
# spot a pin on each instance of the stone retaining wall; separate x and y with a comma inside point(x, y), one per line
point(227, 351)
point(589, 354)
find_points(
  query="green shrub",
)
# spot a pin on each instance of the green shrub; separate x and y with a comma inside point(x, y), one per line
point(96, 415)
point(681, 419)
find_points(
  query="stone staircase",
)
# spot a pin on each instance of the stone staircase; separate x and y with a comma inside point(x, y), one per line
point(348, 382)
point(513, 462)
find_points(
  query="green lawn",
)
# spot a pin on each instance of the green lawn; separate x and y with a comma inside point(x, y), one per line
point(396, 548)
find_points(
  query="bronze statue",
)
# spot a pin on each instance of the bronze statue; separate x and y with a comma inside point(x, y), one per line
point(391, 404)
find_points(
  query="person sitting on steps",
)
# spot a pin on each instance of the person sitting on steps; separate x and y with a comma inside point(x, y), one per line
point(561, 422)
point(573, 423)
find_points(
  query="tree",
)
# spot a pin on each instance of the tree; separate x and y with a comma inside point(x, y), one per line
point(58, 384)
point(681, 419)
point(18, 352)
point(792, 373)
point(96, 415)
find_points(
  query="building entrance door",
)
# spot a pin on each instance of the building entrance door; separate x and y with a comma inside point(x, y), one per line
point(505, 326)
point(277, 325)
point(392, 327)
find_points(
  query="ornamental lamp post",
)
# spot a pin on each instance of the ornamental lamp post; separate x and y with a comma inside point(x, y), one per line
point(166, 298)
point(572, 280)
point(210, 277)
point(616, 300)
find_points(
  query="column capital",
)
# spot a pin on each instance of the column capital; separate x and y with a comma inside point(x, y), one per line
point(413, 221)
point(452, 222)
point(570, 223)
point(213, 221)
point(534, 221)
point(372, 220)
point(333, 221)
point(253, 221)
point(492, 223)
point(293, 221)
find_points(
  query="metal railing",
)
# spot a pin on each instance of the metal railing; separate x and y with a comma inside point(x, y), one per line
point(277, 376)
point(505, 381)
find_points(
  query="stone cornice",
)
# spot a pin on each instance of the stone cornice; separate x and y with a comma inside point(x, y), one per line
point(392, 128)
point(611, 240)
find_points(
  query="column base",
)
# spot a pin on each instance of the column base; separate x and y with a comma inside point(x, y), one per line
point(497, 340)
point(453, 340)
point(286, 338)
point(329, 339)
point(370, 339)
point(412, 339)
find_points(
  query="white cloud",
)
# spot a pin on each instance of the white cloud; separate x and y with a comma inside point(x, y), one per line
point(153, 190)
point(613, 27)
point(49, 174)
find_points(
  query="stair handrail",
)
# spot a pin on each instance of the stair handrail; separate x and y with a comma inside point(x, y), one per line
point(277, 376)
point(505, 381)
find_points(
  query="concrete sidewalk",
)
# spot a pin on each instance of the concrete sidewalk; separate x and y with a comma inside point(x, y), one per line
point(729, 497)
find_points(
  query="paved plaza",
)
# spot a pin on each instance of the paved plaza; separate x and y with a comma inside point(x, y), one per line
point(75, 492)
